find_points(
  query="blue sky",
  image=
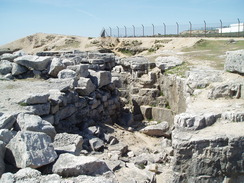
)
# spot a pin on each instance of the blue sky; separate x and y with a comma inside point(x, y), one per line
point(20, 18)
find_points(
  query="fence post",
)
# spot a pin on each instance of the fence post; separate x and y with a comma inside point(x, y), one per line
point(177, 25)
point(164, 29)
point(142, 30)
point(118, 30)
point(153, 29)
point(221, 27)
point(110, 31)
point(125, 31)
point(134, 31)
point(238, 34)
point(205, 28)
point(190, 27)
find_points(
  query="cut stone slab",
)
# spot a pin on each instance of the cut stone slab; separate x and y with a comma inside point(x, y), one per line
point(100, 78)
point(68, 143)
point(81, 70)
point(33, 62)
point(235, 61)
point(30, 149)
point(39, 109)
point(158, 130)
point(18, 69)
point(85, 86)
point(30, 122)
point(69, 165)
point(56, 66)
point(38, 98)
point(146, 112)
point(165, 63)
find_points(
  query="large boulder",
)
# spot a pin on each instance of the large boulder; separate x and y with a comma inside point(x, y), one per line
point(29, 122)
point(235, 61)
point(68, 143)
point(56, 66)
point(33, 62)
point(69, 165)
point(30, 149)
point(165, 63)
point(85, 86)
point(8, 56)
point(5, 67)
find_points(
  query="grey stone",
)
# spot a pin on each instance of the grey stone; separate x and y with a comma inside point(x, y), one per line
point(101, 78)
point(231, 90)
point(39, 109)
point(57, 98)
point(19, 53)
point(7, 120)
point(163, 114)
point(197, 79)
point(7, 178)
point(18, 69)
point(69, 165)
point(63, 85)
point(26, 173)
point(30, 149)
point(33, 62)
point(5, 67)
point(96, 144)
point(2, 153)
point(120, 147)
point(66, 111)
point(6, 135)
point(37, 98)
point(85, 86)
point(8, 56)
point(81, 70)
point(68, 143)
point(165, 63)
point(233, 116)
point(29, 122)
point(56, 66)
point(66, 73)
point(235, 61)
point(195, 121)
point(158, 130)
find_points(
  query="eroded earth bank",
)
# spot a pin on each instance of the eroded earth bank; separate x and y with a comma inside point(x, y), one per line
point(87, 116)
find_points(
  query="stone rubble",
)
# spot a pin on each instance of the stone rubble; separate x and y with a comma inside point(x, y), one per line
point(64, 130)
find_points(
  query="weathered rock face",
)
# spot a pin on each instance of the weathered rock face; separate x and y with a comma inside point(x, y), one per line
point(7, 120)
point(211, 159)
point(30, 149)
point(69, 165)
point(235, 61)
point(5, 67)
point(228, 90)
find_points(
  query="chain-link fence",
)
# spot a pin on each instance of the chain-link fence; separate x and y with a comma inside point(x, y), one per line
point(204, 29)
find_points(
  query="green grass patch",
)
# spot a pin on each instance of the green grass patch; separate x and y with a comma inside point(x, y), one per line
point(179, 70)
point(213, 50)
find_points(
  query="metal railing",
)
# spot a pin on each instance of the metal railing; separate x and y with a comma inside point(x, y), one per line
point(204, 29)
